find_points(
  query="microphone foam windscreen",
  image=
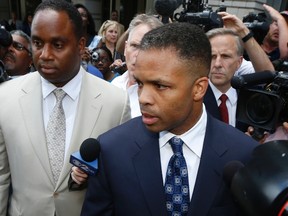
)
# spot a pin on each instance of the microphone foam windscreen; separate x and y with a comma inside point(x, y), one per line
point(90, 149)
point(165, 7)
point(5, 38)
point(230, 169)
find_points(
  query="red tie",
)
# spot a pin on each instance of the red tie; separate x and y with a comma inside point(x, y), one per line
point(223, 108)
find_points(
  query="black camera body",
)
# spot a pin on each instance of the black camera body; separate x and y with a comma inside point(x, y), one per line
point(264, 106)
point(206, 19)
point(94, 55)
point(201, 15)
point(257, 23)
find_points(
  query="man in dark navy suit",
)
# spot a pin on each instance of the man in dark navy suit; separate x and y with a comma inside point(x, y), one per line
point(134, 166)
point(228, 45)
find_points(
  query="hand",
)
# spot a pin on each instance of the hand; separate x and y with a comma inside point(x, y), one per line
point(232, 22)
point(272, 12)
point(85, 55)
point(250, 132)
point(116, 63)
point(78, 175)
point(285, 125)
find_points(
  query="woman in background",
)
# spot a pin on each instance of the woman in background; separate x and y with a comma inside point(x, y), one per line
point(102, 60)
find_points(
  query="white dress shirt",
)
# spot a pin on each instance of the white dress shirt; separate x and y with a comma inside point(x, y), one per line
point(70, 102)
point(122, 82)
point(231, 102)
point(192, 149)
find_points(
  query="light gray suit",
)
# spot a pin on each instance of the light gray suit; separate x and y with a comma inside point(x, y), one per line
point(23, 150)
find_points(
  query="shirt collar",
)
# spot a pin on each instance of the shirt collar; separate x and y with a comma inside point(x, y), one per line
point(198, 130)
point(231, 93)
point(72, 88)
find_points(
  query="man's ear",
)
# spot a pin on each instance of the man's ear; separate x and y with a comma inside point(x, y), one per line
point(82, 44)
point(200, 87)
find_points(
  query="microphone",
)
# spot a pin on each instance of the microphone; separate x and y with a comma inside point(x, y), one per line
point(5, 38)
point(230, 169)
point(261, 187)
point(86, 157)
point(165, 8)
point(257, 78)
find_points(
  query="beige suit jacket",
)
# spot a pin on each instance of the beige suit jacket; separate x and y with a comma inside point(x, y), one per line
point(23, 151)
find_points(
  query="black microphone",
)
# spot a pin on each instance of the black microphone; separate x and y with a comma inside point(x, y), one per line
point(165, 8)
point(229, 171)
point(86, 158)
point(261, 187)
point(257, 78)
point(5, 38)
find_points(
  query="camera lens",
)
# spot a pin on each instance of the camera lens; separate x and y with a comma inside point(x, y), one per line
point(260, 108)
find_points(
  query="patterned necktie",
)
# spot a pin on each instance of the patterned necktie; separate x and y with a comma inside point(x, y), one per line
point(176, 184)
point(56, 134)
point(223, 108)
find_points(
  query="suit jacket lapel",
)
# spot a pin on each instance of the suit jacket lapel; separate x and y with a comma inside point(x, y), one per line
point(31, 104)
point(88, 110)
point(209, 174)
point(148, 170)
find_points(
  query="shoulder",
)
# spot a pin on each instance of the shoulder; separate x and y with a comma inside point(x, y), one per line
point(125, 131)
point(245, 68)
point(121, 81)
point(228, 135)
point(96, 87)
point(21, 81)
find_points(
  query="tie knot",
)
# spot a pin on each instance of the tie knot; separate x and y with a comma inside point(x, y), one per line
point(223, 98)
point(59, 94)
point(176, 144)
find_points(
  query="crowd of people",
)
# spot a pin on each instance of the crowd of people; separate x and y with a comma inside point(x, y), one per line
point(158, 98)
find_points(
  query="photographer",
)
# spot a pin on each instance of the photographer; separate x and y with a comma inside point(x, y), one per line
point(276, 40)
point(256, 55)
point(86, 57)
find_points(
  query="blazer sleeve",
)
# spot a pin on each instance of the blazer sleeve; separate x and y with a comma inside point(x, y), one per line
point(98, 191)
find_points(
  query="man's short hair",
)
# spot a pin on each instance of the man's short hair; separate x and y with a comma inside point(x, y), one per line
point(188, 40)
point(224, 31)
point(72, 12)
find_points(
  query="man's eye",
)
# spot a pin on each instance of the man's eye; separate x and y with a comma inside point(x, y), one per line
point(58, 45)
point(159, 86)
point(37, 43)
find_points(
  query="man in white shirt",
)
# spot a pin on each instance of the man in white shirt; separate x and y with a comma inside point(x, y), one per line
point(140, 25)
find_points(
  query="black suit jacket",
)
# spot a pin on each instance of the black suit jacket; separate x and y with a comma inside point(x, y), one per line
point(129, 181)
point(212, 107)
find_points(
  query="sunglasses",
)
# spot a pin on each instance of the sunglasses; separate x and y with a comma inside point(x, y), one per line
point(20, 47)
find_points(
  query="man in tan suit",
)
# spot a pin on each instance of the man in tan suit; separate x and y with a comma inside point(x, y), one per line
point(91, 107)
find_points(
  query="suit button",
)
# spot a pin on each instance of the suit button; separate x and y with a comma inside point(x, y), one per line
point(55, 195)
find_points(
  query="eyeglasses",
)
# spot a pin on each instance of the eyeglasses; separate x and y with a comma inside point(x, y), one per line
point(20, 47)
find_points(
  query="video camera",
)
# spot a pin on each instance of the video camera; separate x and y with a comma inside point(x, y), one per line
point(258, 25)
point(262, 100)
point(198, 13)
